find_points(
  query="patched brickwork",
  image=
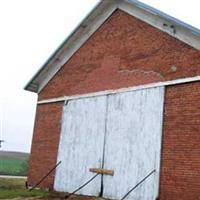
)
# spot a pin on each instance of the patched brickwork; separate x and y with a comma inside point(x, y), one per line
point(127, 52)
point(45, 143)
point(123, 52)
point(180, 172)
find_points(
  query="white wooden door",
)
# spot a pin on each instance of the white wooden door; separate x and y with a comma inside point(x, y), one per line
point(81, 145)
point(133, 143)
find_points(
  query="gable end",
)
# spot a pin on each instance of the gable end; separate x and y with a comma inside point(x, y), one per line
point(95, 19)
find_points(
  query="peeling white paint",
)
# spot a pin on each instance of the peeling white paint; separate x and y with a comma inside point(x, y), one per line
point(121, 132)
point(81, 145)
point(133, 143)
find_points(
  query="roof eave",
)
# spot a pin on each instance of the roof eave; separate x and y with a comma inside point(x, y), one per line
point(95, 19)
point(36, 82)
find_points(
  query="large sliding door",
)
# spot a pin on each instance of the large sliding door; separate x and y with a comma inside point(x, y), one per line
point(81, 145)
point(121, 132)
point(133, 142)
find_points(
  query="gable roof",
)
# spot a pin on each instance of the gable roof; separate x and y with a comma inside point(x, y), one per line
point(176, 28)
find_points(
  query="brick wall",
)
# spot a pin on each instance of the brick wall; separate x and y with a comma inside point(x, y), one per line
point(45, 143)
point(180, 172)
point(127, 52)
point(123, 52)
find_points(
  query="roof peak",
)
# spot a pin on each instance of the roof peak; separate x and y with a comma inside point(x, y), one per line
point(174, 27)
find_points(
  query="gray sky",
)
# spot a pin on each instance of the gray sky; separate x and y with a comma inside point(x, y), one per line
point(30, 30)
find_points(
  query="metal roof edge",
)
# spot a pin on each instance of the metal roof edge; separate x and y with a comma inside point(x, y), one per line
point(26, 87)
point(34, 85)
point(165, 16)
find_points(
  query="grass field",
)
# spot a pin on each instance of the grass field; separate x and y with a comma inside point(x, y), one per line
point(13, 163)
point(15, 188)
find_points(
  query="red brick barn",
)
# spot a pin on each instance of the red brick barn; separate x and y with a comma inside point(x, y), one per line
point(121, 93)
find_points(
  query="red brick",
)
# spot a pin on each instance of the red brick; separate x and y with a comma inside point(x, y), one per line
point(180, 171)
point(45, 143)
point(123, 52)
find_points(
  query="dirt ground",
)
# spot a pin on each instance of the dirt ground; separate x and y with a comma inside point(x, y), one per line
point(14, 189)
point(59, 198)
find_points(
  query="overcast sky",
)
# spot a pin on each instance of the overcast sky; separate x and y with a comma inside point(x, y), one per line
point(30, 30)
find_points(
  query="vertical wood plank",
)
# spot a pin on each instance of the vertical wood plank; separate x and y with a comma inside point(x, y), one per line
point(133, 143)
point(81, 145)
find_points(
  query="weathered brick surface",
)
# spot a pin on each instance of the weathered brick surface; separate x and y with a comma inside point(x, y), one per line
point(127, 52)
point(45, 143)
point(180, 172)
point(123, 52)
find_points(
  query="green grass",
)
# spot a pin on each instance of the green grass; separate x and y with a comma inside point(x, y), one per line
point(13, 163)
point(13, 188)
point(13, 167)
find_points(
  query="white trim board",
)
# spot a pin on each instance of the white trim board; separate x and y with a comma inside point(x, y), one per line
point(121, 90)
point(95, 19)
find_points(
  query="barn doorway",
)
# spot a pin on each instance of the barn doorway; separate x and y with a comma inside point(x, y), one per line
point(121, 132)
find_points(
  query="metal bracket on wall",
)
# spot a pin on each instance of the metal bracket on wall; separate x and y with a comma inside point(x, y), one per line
point(66, 102)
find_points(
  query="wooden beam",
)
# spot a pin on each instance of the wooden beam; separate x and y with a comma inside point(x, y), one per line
point(102, 171)
point(121, 90)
